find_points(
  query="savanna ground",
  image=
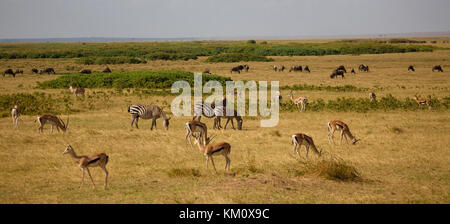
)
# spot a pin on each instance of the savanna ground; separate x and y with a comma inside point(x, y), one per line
point(403, 156)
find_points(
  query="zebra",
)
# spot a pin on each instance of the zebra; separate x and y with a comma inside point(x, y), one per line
point(229, 118)
point(15, 116)
point(146, 112)
point(209, 110)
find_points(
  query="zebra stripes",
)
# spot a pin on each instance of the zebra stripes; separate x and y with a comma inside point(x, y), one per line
point(208, 110)
point(147, 112)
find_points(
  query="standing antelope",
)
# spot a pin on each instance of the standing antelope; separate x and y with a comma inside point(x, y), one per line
point(15, 116)
point(339, 125)
point(53, 121)
point(146, 112)
point(301, 101)
point(196, 126)
point(372, 96)
point(76, 91)
point(210, 150)
point(421, 102)
point(299, 138)
point(86, 161)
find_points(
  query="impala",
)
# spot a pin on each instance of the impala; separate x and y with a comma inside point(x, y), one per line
point(86, 161)
point(53, 121)
point(422, 102)
point(345, 131)
point(193, 126)
point(210, 150)
point(300, 101)
point(299, 138)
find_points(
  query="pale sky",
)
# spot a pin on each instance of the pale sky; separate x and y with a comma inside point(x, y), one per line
point(214, 18)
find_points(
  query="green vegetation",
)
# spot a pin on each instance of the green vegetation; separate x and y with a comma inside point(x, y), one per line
point(237, 57)
point(130, 79)
point(386, 103)
point(194, 49)
point(109, 60)
point(35, 103)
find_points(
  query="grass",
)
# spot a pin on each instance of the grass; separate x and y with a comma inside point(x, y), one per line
point(402, 156)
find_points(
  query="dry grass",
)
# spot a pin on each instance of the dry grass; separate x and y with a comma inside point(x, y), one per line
point(402, 157)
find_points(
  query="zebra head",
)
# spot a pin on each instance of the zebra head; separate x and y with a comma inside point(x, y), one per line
point(166, 123)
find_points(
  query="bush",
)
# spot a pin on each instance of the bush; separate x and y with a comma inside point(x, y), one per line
point(130, 79)
point(34, 104)
point(109, 60)
point(251, 42)
point(237, 57)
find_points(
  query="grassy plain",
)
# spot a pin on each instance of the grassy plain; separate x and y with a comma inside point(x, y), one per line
point(403, 156)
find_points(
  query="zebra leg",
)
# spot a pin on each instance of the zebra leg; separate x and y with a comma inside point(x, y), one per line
point(226, 124)
point(153, 123)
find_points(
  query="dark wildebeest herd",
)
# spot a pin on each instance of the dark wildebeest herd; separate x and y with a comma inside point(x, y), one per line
point(49, 71)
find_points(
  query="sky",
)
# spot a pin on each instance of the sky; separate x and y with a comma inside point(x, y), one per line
point(214, 18)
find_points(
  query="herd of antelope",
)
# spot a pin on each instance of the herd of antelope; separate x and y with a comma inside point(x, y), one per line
point(199, 131)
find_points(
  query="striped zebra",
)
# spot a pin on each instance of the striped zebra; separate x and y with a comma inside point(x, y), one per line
point(146, 112)
point(209, 110)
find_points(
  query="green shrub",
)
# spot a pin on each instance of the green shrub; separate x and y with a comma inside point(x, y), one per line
point(251, 42)
point(34, 104)
point(237, 57)
point(129, 79)
point(109, 60)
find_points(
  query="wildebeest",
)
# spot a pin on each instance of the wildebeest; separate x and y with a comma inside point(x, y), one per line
point(411, 68)
point(206, 71)
point(237, 69)
point(86, 71)
point(336, 73)
point(307, 69)
point(341, 68)
point(19, 71)
point(363, 67)
point(34, 70)
point(106, 70)
point(9, 72)
point(438, 68)
point(296, 69)
point(48, 71)
point(372, 96)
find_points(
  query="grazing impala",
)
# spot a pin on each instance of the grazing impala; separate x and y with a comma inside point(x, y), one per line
point(86, 161)
point(210, 150)
point(53, 121)
point(299, 138)
point(76, 91)
point(422, 102)
point(196, 126)
point(339, 125)
point(300, 101)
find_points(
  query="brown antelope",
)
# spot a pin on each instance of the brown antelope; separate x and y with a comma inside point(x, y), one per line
point(299, 138)
point(210, 150)
point(15, 116)
point(300, 101)
point(76, 91)
point(196, 126)
point(421, 102)
point(86, 161)
point(53, 121)
point(339, 125)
